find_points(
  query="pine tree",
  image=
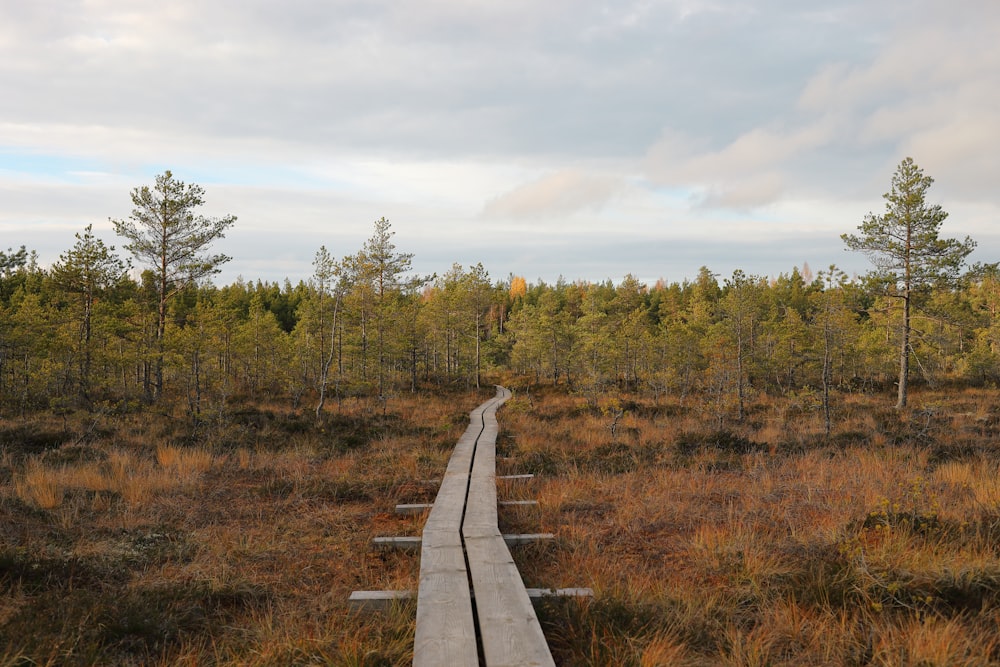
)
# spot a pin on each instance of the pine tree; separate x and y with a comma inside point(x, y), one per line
point(86, 270)
point(165, 234)
point(909, 256)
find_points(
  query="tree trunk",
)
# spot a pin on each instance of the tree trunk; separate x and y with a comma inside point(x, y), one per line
point(904, 354)
point(827, 374)
point(87, 357)
point(740, 397)
point(413, 367)
point(478, 350)
point(161, 329)
point(325, 368)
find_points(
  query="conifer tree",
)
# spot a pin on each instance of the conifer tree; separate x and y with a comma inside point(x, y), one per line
point(166, 235)
point(909, 256)
point(86, 270)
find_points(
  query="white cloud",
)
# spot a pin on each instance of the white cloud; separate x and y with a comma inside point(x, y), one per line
point(555, 195)
point(751, 171)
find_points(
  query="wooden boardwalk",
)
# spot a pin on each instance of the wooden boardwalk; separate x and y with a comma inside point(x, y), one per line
point(471, 600)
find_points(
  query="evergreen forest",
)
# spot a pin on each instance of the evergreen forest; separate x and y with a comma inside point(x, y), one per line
point(87, 333)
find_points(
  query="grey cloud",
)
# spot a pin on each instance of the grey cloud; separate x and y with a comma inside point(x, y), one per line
point(435, 78)
point(745, 105)
point(925, 86)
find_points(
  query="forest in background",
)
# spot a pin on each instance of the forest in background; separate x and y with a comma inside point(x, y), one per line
point(85, 334)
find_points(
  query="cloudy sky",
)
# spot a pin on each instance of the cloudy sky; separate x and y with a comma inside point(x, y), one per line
point(551, 138)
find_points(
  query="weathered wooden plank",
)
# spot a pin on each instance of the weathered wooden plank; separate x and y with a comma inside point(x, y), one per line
point(517, 539)
point(407, 543)
point(510, 633)
point(445, 632)
point(384, 600)
point(481, 504)
point(481, 507)
point(541, 593)
point(400, 543)
point(413, 508)
point(419, 508)
point(378, 600)
point(518, 503)
point(525, 477)
point(449, 503)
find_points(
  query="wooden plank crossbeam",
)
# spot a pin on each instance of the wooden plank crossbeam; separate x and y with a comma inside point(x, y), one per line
point(377, 600)
point(417, 508)
point(384, 600)
point(406, 543)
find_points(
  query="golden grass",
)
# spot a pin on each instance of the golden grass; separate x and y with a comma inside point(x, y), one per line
point(782, 548)
point(40, 486)
point(935, 642)
point(757, 543)
point(185, 462)
point(130, 476)
point(241, 549)
point(665, 648)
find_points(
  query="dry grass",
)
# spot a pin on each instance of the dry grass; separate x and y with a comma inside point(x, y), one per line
point(40, 487)
point(236, 545)
point(767, 543)
point(762, 543)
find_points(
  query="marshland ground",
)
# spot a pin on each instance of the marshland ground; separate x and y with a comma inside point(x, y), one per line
point(138, 538)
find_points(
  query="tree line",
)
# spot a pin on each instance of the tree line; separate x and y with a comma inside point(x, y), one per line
point(85, 333)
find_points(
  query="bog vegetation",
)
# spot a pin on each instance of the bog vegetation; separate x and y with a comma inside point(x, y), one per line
point(191, 473)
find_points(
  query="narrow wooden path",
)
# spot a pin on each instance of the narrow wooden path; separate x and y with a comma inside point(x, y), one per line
point(471, 599)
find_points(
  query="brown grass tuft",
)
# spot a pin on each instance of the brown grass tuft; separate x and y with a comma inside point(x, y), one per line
point(40, 486)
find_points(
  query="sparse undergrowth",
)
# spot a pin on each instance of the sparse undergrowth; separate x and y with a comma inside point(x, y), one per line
point(135, 540)
point(144, 542)
point(767, 543)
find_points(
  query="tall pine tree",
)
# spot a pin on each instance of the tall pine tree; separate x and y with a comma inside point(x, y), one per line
point(904, 245)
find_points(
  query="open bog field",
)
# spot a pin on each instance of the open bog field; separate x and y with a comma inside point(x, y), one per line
point(132, 542)
point(129, 539)
point(766, 543)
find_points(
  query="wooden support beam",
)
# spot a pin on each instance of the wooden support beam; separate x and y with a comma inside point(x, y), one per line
point(407, 543)
point(401, 543)
point(504, 478)
point(372, 601)
point(376, 601)
point(540, 593)
point(413, 508)
point(418, 508)
point(514, 540)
